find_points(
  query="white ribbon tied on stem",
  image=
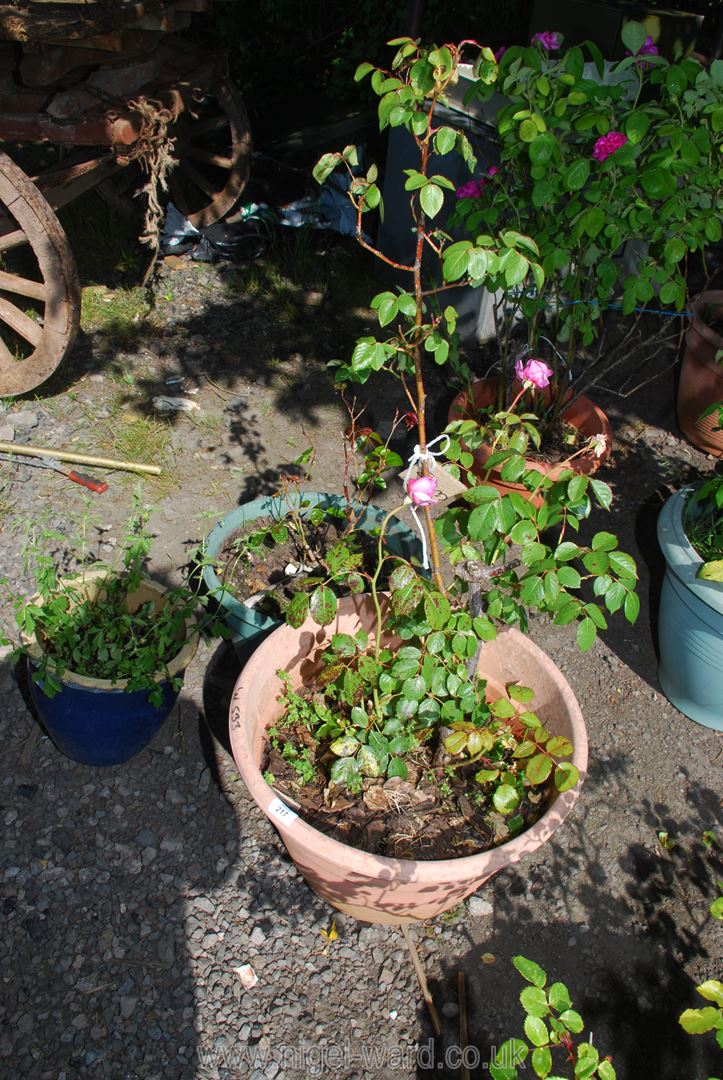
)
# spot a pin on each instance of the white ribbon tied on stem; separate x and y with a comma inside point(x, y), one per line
point(418, 458)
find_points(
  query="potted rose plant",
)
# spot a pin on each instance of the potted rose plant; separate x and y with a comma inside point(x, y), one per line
point(419, 688)
point(598, 162)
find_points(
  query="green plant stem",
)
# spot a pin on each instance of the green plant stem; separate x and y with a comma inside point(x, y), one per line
point(374, 583)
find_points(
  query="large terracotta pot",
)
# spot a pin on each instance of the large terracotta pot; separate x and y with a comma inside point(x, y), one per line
point(701, 376)
point(583, 414)
point(372, 887)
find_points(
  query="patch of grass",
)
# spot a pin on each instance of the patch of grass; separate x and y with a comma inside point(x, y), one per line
point(147, 441)
point(121, 311)
point(6, 506)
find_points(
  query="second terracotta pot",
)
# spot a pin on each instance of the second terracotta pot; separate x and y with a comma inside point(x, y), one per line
point(375, 888)
point(701, 376)
point(583, 414)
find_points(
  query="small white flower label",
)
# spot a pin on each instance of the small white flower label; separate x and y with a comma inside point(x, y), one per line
point(279, 810)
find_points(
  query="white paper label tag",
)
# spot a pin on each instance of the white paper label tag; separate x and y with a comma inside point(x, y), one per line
point(279, 810)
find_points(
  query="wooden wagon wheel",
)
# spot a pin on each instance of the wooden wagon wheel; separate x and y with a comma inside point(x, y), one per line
point(213, 149)
point(40, 296)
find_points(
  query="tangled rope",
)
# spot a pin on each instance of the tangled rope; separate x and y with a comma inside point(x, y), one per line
point(153, 149)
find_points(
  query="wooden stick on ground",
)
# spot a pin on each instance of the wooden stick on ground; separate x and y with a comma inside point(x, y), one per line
point(79, 459)
point(422, 978)
point(463, 1032)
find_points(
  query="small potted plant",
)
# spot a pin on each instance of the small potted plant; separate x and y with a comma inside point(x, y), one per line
point(612, 169)
point(690, 626)
point(285, 556)
point(418, 688)
point(106, 647)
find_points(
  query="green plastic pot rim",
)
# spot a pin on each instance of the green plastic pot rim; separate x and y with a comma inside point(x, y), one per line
point(680, 555)
point(177, 664)
point(276, 507)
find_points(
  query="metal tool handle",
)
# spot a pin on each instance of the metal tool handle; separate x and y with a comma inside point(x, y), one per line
point(98, 486)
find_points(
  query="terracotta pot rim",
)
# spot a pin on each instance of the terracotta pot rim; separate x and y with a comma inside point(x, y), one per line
point(382, 866)
point(586, 462)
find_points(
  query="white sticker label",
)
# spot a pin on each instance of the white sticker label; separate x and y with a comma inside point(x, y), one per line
point(279, 810)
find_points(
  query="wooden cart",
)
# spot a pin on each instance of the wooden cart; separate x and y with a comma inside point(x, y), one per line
point(113, 84)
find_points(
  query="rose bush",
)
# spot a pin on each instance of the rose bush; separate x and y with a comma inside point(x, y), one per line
point(596, 156)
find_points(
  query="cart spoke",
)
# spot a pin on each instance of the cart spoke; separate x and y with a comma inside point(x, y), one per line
point(197, 153)
point(21, 323)
point(198, 179)
point(21, 286)
point(209, 125)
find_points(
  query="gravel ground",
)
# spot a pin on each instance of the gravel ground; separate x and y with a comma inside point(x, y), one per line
point(132, 897)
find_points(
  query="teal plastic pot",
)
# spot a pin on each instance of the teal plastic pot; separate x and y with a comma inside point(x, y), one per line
point(690, 626)
point(249, 627)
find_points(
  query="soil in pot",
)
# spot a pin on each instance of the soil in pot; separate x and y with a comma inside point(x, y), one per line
point(435, 813)
point(264, 565)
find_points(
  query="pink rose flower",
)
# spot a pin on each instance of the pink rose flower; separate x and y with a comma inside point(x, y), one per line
point(493, 170)
point(535, 372)
point(648, 48)
point(608, 144)
point(472, 189)
point(421, 490)
point(548, 39)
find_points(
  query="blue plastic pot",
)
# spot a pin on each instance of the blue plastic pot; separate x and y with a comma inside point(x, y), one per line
point(99, 722)
point(690, 626)
point(249, 627)
point(98, 725)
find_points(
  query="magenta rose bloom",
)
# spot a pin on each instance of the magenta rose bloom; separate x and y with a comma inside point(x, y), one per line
point(493, 170)
point(648, 48)
point(535, 372)
point(608, 144)
point(500, 53)
point(548, 39)
point(472, 189)
point(422, 490)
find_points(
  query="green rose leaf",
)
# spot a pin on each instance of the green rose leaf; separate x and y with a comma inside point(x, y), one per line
point(397, 767)
point(566, 776)
point(586, 634)
point(534, 1001)
point(541, 1061)
point(298, 610)
point(345, 771)
point(432, 199)
point(633, 35)
point(711, 990)
point(322, 605)
point(576, 175)
point(530, 971)
point(572, 1021)
point(506, 799)
point(698, 1021)
point(536, 1030)
point(559, 997)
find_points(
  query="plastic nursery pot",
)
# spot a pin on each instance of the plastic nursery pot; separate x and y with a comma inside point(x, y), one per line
point(690, 624)
point(96, 721)
point(582, 414)
point(248, 627)
point(375, 888)
point(701, 376)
